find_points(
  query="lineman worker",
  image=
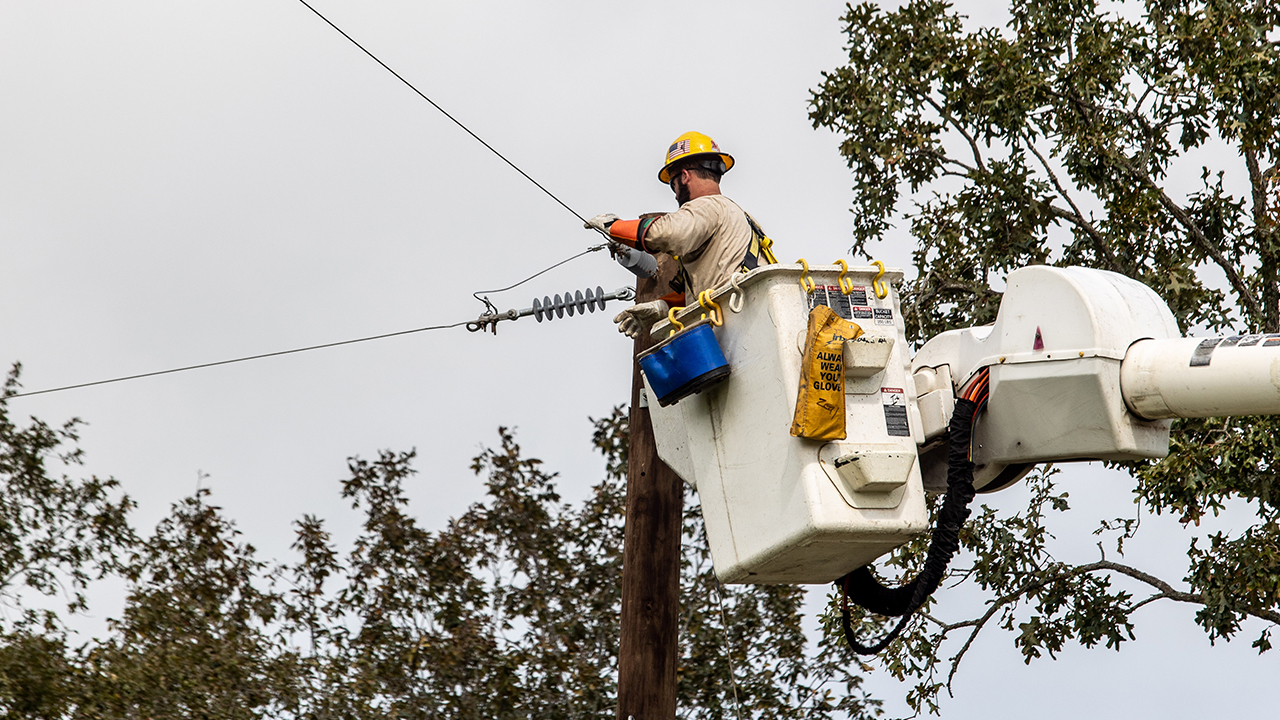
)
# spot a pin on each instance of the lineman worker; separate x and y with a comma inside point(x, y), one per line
point(710, 236)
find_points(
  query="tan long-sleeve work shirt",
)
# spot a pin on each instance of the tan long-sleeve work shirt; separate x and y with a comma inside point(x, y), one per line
point(709, 234)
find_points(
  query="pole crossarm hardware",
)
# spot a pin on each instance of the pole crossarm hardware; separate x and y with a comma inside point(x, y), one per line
point(550, 308)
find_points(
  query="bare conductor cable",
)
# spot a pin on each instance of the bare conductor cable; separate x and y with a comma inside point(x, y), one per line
point(231, 361)
point(444, 112)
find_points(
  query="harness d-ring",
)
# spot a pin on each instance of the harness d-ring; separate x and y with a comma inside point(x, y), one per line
point(806, 283)
point(882, 290)
point(736, 295)
point(671, 317)
point(846, 285)
point(717, 315)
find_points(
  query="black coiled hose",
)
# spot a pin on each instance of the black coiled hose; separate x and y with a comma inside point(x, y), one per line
point(862, 588)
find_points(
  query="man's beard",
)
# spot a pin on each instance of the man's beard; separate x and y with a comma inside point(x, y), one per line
point(682, 195)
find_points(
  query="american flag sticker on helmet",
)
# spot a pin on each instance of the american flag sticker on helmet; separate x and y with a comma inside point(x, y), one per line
point(678, 148)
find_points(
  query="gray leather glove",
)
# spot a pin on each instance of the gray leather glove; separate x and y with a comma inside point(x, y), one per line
point(640, 316)
point(601, 222)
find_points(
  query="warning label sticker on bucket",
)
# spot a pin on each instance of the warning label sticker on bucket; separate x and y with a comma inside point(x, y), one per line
point(883, 316)
point(894, 401)
point(831, 296)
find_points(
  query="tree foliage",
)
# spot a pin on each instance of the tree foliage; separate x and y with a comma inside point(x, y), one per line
point(1137, 137)
point(196, 636)
point(57, 535)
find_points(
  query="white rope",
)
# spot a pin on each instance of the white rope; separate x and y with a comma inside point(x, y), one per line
point(728, 652)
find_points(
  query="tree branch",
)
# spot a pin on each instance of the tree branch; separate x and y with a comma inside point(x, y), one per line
point(1166, 591)
point(915, 305)
point(1197, 234)
point(1264, 228)
point(973, 144)
point(977, 626)
point(1076, 217)
point(1228, 269)
point(946, 159)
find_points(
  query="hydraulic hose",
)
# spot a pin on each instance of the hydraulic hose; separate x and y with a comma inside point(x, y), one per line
point(861, 586)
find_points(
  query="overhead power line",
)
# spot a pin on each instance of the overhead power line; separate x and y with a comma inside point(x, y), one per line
point(489, 320)
point(235, 360)
point(436, 105)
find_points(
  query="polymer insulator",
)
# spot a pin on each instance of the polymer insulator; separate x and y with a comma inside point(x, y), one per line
point(577, 302)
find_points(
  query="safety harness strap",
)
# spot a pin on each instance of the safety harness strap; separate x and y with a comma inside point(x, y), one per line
point(758, 249)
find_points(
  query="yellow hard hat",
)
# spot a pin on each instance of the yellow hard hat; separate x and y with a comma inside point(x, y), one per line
point(692, 144)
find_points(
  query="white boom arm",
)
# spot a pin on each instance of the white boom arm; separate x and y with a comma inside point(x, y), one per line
point(1211, 377)
point(1085, 365)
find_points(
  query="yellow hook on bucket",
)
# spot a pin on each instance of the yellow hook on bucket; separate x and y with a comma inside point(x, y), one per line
point(846, 285)
point(717, 315)
point(671, 317)
point(882, 290)
point(806, 282)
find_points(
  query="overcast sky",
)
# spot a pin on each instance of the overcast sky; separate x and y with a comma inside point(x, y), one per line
point(189, 182)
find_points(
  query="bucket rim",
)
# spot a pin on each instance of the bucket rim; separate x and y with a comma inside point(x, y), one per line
point(782, 271)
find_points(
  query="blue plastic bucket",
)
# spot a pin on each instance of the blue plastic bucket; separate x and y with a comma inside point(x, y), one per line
point(684, 364)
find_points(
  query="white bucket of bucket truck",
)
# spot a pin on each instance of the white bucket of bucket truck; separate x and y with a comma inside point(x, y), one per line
point(783, 509)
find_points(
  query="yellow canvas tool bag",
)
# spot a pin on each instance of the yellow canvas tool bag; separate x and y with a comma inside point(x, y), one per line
point(820, 406)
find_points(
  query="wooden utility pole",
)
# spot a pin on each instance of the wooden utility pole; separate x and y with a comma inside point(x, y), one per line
point(647, 651)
